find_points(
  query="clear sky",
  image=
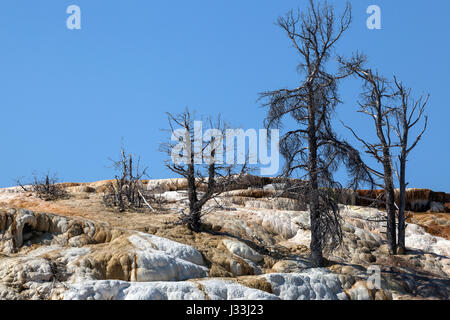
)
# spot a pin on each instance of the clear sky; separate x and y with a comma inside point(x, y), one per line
point(68, 97)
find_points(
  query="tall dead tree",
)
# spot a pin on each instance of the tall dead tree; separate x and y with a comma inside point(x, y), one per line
point(408, 115)
point(312, 148)
point(200, 162)
point(376, 103)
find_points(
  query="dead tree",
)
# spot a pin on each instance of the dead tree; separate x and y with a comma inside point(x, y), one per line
point(127, 190)
point(376, 103)
point(407, 115)
point(312, 148)
point(200, 163)
point(46, 187)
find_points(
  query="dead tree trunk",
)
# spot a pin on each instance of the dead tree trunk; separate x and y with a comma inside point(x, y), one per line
point(316, 236)
point(381, 113)
point(407, 118)
point(390, 203)
point(402, 204)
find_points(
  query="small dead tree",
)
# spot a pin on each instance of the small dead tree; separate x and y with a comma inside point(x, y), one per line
point(312, 147)
point(200, 162)
point(45, 187)
point(127, 190)
point(407, 116)
point(376, 103)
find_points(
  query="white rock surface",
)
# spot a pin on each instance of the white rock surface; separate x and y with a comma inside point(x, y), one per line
point(173, 196)
point(230, 290)
point(302, 237)
point(417, 238)
point(283, 223)
point(242, 250)
point(185, 290)
point(160, 259)
point(144, 241)
point(311, 284)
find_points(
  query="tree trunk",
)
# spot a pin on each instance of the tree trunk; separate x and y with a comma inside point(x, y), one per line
point(390, 204)
point(194, 223)
point(402, 205)
point(316, 241)
point(194, 216)
point(316, 237)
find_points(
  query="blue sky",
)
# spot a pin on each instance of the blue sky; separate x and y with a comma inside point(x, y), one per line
point(68, 97)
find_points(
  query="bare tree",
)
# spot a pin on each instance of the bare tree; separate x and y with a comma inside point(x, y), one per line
point(127, 190)
point(199, 162)
point(376, 103)
point(408, 114)
point(313, 148)
point(46, 187)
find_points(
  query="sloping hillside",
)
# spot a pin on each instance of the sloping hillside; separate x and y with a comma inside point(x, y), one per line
point(253, 246)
